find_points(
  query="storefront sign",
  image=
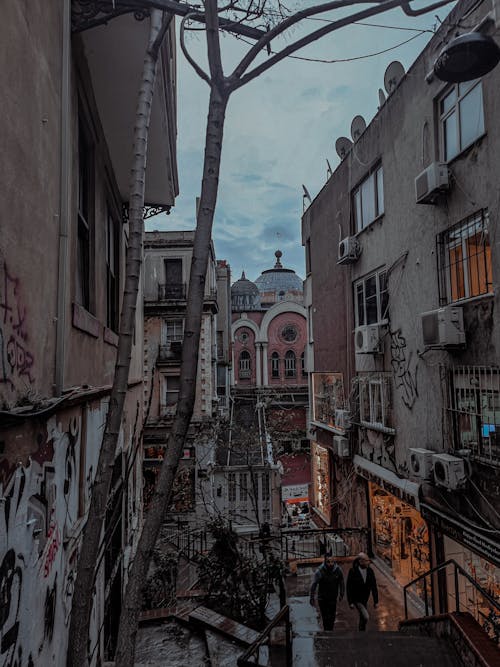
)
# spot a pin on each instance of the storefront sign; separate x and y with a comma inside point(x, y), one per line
point(463, 534)
point(295, 491)
point(387, 480)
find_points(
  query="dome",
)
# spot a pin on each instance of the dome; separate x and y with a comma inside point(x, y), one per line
point(245, 295)
point(279, 284)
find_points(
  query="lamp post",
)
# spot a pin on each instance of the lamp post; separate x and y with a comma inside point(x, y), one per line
point(467, 57)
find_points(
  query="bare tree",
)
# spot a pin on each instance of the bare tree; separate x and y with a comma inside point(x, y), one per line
point(91, 539)
point(221, 88)
point(233, 12)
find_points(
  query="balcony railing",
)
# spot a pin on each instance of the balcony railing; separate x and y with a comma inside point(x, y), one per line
point(172, 292)
point(244, 373)
point(170, 352)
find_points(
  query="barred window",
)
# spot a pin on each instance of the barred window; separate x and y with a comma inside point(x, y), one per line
point(245, 365)
point(275, 365)
point(465, 260)
point(474, 406)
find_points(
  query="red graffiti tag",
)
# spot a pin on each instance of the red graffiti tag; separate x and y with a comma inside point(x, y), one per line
point(53, 544)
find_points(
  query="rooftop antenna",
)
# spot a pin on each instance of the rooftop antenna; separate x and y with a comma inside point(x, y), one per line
point(358, 126)
point(305, 196)
point(343, 146)
point(381, 98)
point(393, 75)
point(329, 171)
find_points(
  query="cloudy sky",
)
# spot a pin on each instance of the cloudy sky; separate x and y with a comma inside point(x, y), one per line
point(280, 130)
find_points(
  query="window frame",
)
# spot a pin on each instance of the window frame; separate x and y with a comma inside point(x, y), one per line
point(85, 214)
point(275, 365)
point(175, 336)
point(382, 303)
point(377, 401)
point(113, 227)
point(456, 110)
point(460, 278)
point(290, 364)
point(377, 175)
point(244, 365)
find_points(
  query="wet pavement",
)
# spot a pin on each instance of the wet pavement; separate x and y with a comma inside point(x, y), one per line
point(306, 621)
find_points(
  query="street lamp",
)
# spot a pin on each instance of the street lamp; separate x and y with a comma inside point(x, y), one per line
point(467, 57)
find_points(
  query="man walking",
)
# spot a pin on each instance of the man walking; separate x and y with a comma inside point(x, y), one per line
point(360, 583)
point(329, 580)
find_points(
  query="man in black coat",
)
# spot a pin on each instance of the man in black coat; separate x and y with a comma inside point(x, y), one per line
point(360, 583)
point(329, 580)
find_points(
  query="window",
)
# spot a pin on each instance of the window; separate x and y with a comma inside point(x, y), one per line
point(174, 287)
point(375, 400)
point(465, 260)
point(474, 406)
point(290, 364)
point(243, 487)
point(173, 330)
point(112, 271)
point(461, 117)
point(265, 493)
point(371, 299)
point(245, 366)
point(310, 323)
point(172, 385)
point(289, 333)
point(85, 217)
point(275, 365)
point(303, 364)
point(231, 487)
point(368, 200)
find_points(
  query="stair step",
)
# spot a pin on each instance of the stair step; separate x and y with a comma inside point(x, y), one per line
point(379, 649)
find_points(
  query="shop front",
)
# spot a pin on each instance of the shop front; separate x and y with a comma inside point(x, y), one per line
point(479, 556)
point(400, 535)
point(321, 482)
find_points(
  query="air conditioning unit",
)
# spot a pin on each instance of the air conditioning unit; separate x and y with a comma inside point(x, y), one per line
point(341, 446)
point(449, 471)
point(367, 339)
point(421, 462)
point(431, 183)
point(342, 419)
point(349, 250)
point(443, 327)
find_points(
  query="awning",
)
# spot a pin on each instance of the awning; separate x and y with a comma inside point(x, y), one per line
point(293, 501)
point(400, 487)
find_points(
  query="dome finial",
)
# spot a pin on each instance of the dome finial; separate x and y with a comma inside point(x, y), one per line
point(278, 254)
point(243, 276)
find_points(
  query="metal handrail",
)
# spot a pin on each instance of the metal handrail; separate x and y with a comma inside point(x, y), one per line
point(458, 569)
point(283, 614)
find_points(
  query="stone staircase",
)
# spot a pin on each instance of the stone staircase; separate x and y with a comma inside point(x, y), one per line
point(381, 649)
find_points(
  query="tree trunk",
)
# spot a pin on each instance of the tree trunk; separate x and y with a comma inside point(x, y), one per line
point(92, 531)
point(161, 498)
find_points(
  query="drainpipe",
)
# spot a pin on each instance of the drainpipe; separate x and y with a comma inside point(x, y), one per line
point(64, 201)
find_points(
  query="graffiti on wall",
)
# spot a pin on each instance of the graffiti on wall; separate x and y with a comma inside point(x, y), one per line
point(16, 356)
point(404, 379)
point(40, 506)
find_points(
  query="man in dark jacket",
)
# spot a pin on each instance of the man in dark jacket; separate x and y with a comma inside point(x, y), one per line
point(360, 583)
point(329, 580)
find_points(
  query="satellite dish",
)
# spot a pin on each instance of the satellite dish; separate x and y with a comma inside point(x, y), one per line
point(358, 126)
point(393, 75)
point(306, 194)
point(343, 146)
point(381, 98)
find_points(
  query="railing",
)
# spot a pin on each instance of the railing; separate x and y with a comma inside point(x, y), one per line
point(254, 649)
point(312, 543)
point(488, 616)
point(174, 291)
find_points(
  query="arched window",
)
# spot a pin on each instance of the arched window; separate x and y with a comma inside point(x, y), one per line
point(290, 364)
point(245, 364)
point(303, 363)
point(275, 365)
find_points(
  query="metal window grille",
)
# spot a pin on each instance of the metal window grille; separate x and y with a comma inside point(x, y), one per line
point(473, 407)
point(465, 260)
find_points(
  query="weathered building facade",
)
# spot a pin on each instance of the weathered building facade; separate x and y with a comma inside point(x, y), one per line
point(66, 150)
point(405, 385)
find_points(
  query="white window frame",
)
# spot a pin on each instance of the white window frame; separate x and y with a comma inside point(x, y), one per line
point(462, 91)
point(378, 390)
point(245, 364)
point(376, 177)
point(290, 364)
point(275, 365)
point(173, 330)
point(171, 407)
point(381, 316)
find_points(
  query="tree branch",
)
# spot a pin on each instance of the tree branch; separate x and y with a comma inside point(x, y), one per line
point(201, 73)
point(213, 42)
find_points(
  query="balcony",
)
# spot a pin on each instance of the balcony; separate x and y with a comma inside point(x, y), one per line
point(172, 292)
point(170, 353)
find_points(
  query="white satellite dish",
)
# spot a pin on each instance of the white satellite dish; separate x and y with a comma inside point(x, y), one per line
point(393, 75)
point(358, 126)
point(381, 98)
point(343, 146)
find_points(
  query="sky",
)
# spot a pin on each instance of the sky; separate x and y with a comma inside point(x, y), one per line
point(280, 131)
